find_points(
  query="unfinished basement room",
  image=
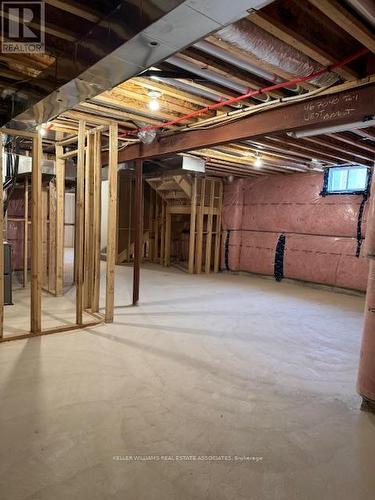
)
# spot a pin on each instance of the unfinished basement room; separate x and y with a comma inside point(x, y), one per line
point(187, 282)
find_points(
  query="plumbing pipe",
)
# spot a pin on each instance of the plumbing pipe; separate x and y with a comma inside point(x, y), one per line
point(252, 93)
point(223, 55)
point(188, 88)
point(208, 75)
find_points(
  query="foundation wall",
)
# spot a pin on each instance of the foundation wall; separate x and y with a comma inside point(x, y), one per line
point(321, 232)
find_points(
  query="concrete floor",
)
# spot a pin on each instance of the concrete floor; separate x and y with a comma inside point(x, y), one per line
point(206, 365)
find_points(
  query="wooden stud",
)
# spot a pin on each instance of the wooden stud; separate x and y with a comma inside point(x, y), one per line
point(151, 218)
point(97, 174)
point(218, 229)
point(1, 240)
point(162, 233)
point(199, 247)
point(88, 243)
point(130, 219)
point(80, 191)
point(207, 265)
point(52, 238)
point(138, 213)
point(168, 236)
point(112, 222)
point(44, 238)
point(36, 237)
point(192, 226)
point(26, 233)
point(60, 220)
point(156, 229)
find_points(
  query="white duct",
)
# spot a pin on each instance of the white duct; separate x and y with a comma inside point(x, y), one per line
point(211, 76)
point(256, 41)
point(188, 88)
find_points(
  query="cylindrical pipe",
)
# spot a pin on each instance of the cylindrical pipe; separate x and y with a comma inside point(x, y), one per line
point(225, 56)
point(210, 75)
point(366, 373)
point(189, 88)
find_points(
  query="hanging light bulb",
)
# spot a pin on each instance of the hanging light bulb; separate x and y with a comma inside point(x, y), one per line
point(154, 103)
point(258, 162)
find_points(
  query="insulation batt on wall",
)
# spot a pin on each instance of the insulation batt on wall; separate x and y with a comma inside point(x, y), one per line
point(321, 232)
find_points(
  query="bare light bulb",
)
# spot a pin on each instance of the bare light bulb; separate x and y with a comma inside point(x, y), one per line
point(154, 105)
point(258, 162)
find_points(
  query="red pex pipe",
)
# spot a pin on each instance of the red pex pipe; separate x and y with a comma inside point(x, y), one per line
point(252, 93)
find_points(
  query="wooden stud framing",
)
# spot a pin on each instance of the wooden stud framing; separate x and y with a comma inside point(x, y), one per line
point(97, 181)
point(207, 265)
point(88, 245)
point(138, 212)
point(168, 233)
point(218, 229)
point(26, 233)
point(52, 238)
point(192, 226)
point(79, 244)
point(199, 247)
point(60, 219)
point(162, 232)
point(112, 222)
point(1, 240)
point(36, 238)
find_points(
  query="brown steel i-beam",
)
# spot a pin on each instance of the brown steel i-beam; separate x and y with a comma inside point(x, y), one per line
point(345, 106)
point(138, 203)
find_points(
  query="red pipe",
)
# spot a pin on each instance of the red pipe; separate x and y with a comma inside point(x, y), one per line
point(252, 93)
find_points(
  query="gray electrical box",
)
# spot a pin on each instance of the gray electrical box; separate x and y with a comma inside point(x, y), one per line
point(8, 274)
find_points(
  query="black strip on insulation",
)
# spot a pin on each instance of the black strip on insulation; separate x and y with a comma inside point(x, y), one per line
point(366, 196)
point(226, 250)
point(359, 226)
point(279, 258)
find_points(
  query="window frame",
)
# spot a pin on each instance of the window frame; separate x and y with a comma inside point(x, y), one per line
point(326, 192)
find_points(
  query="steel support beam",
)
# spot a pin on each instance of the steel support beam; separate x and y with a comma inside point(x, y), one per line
point(334, 109)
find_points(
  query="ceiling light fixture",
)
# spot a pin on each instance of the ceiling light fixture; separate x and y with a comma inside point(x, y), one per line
point(154, 103)
point(347, 127)
point(258, 162)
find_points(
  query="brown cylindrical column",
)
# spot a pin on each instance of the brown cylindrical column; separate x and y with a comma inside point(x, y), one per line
point(138, 220)
point(366, 374)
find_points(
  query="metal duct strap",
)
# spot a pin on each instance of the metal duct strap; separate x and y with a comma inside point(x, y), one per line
point(279, 258)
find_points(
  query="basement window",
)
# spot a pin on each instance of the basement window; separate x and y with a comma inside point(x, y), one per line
point(345, 180)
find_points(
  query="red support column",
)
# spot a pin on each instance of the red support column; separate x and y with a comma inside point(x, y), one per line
point(366, 374)
point(138, 216)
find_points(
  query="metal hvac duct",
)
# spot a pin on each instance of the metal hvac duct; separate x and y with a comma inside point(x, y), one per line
point(256, 41)
point(178, 24)
point(211, 76)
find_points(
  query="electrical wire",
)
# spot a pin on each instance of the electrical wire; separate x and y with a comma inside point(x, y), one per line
point(250, 94)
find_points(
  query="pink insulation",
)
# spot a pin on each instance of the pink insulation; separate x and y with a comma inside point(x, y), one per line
point(15, 228)
point(366, 374)
point(320, 231)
